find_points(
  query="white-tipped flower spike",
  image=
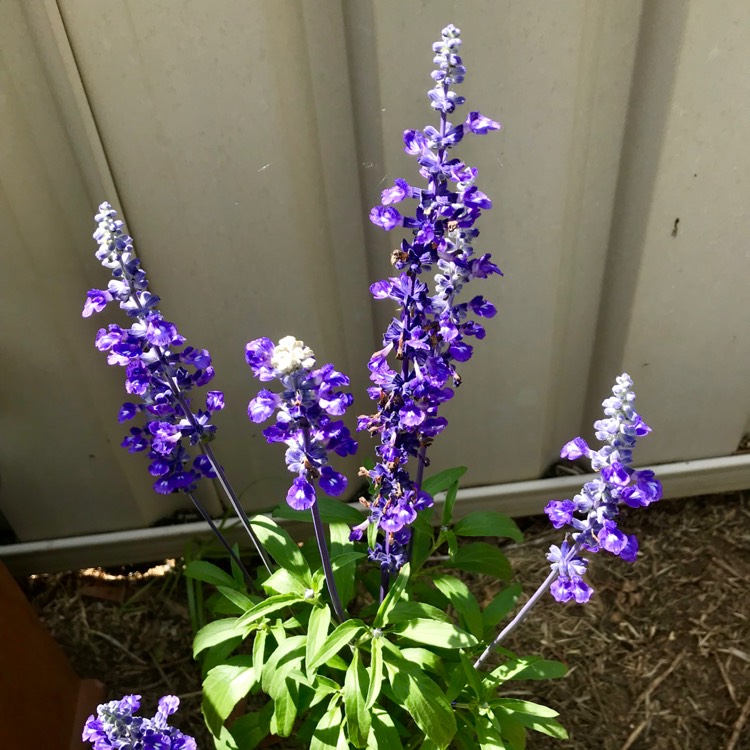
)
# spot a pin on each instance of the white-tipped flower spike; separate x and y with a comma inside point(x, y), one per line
point(290, 355)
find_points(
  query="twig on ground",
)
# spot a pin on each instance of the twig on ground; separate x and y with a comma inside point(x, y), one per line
point(738, 725)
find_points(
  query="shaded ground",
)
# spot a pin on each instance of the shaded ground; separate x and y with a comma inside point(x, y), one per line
point(659, 659)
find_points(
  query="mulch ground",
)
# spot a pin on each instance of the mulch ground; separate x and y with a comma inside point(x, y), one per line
point(659, 659)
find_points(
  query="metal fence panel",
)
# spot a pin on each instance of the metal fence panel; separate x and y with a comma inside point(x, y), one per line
point(246, 142)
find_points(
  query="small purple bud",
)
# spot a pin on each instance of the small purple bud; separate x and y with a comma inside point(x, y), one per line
point(214, 400)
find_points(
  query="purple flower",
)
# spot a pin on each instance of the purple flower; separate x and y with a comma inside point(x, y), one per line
point(593, 512)
point(481, 125)
point(96, 301)
point(308, 400)
point(116, 727)
point(155, 369)
point(214, 400)
point(301, 495)
point(575, 449)
point(386, 217)
point(425, 344)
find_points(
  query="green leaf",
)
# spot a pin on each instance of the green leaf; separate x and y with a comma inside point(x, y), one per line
point(344, 633)
point(282, 581)
point(435, 634)
point(326, 734)
point(527, 708)
point(324, 687)
point(285, 709)
point(218, 654)
point(243, 601)
point(224, 687)
point(547, 726)
point(423, 536)
point(463, 601)
point(336, 662)
point(512, 731)
point(216, 632)
point(343, 561)
point(237, 574)
point(383, 733)
point(397, 589)
point(317, 632)
point(374, 672)
point(529, 668)
point(207, 572)
point(456, 684)
point(472, 676)
point(423, 699)
point(488, 523)
point(281, 547)
point(247, 732)
point(489, 738)
point(544, 669)
point(403, 611)
point(450, 502)
point(480, 557)
point(345, 558)
point(267, 606)
point(502, 603)
point(287, 656)
point(259, 650)
point(355, 696)
point(331, 511)
point(425, 659)
point(442, 480)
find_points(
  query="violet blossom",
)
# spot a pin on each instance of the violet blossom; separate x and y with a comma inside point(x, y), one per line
point(158, 369)
point(116, 727)
point(593, 512)
point(429, 335)
point(309, 398)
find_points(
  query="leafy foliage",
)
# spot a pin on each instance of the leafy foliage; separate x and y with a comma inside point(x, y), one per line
point(399, 673)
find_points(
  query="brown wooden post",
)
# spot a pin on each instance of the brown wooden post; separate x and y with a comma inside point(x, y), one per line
point(43, 703)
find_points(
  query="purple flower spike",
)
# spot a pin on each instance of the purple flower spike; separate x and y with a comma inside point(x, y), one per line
point(308, 399)
point(156, 370)
point(592, 514)
point(426, 343)
point(116, 727)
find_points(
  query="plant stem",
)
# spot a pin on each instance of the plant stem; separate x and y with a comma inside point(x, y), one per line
point(422, 462)
point(320, 537)
point(548, 581)
point(234, 500)
point(326, 559)
point(216, 466)
point(385, 573)
point(222, 539)
point(517, 619)
point(188, 412)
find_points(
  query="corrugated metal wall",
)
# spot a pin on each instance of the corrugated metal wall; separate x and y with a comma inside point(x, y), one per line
point(246, 142)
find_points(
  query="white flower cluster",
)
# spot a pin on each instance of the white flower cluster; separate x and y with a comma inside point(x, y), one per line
point(290, 355)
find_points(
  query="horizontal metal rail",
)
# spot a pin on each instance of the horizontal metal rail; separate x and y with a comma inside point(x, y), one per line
point(684, 479)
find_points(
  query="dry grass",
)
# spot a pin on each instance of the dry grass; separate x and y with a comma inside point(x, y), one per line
point(659, 659)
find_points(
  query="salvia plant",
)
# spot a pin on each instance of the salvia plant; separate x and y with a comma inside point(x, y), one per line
point(369, 636)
